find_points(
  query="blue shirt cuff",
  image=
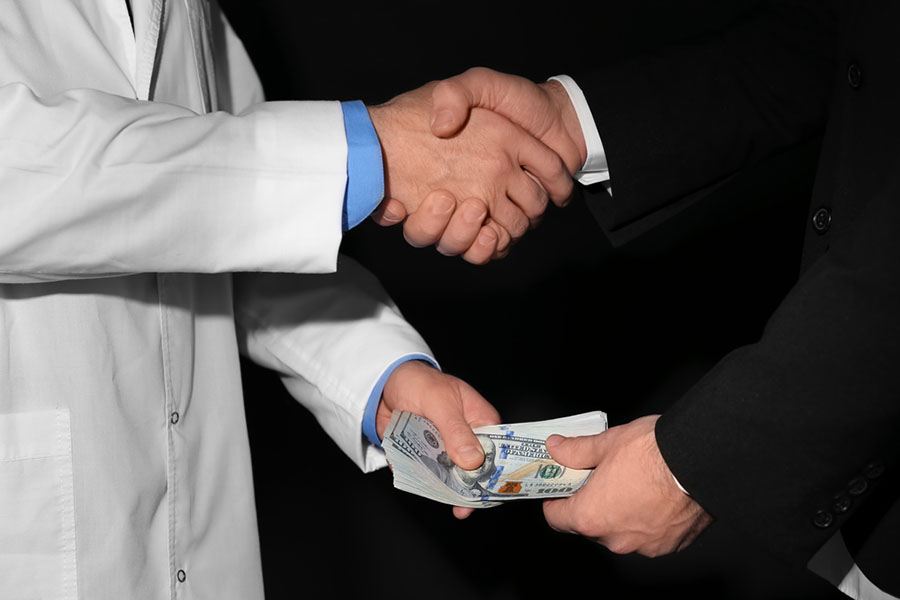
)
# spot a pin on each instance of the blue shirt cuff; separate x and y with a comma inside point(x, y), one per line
point(368, 425)
point(365, 171)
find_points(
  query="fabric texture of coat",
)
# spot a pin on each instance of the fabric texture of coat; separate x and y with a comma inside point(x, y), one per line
point(794, 437)
point(156, 218)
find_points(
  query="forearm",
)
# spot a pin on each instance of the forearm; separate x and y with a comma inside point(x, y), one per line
point(330, 338)
point(120, 186)
point(775, 432)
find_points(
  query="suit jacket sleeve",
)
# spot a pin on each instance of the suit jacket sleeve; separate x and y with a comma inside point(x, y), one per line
point(774, 433)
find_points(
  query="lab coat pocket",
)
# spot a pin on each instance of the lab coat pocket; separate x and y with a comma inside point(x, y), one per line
point(37, 508)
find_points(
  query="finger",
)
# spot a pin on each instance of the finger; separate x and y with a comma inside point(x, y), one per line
point(463, 228)
point(389, 212)
point(450, 108)
point(454, 97)
point(476, 409)
point(462, 512)
point(484, 248)
point(425, 226)
point(509, 217)
point(504, 240)
point(528, 195)
point(460, 442)
point(559, 515)
point(582, 452)
point(547, 167)
point(479, 86)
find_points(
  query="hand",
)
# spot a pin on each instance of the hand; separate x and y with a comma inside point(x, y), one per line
point(630, 502)
point(450, 403)
point(455, 229)
point(543, 110)
point(483, 161)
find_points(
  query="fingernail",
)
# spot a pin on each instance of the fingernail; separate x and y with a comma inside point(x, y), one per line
point(473, 213)
point(471, 454)
point(390, 215)
point(487, 237)
point(442, 119)
point(554, 440)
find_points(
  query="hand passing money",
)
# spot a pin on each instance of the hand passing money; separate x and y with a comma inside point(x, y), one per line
point(516, 462)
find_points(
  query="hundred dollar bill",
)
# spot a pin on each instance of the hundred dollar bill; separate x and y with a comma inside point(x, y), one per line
point(517, 464)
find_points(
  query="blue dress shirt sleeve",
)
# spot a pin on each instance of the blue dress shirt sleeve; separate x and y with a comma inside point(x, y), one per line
point(365, 172)
point(375, 397)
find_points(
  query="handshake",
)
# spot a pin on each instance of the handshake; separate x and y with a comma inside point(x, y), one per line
point(471, 162)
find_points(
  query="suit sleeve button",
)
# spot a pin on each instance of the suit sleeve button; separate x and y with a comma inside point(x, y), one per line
point(823, 519)
point(854, 76)
point(841, 503)
point(821, 220)
point(857, 486)
point(874, 470)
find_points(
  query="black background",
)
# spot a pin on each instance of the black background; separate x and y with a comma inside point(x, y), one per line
point(565, 324)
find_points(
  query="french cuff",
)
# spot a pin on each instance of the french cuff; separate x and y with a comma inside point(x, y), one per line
point(365, 171)
point(368, 424)
point(680, 487)
point(594, 169)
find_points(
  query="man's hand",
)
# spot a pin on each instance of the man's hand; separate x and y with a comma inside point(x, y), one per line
point(543, 110)
point(450, 403)
point(630, 503)
point(493, 167)
point(454, 228)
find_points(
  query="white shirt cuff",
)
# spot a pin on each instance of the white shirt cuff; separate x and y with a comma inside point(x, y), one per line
point(594, 169)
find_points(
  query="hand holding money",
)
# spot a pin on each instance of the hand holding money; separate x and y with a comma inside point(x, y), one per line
point(450, 403)
point(516, 465)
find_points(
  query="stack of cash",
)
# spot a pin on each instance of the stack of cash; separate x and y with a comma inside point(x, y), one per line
point(516, 465)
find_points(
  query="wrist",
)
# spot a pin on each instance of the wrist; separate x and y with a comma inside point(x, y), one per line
point(379, 116)
point(568, 116)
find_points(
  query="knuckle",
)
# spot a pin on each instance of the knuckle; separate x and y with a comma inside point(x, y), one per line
point(478, 71)
point(518, 226)
point(541, 201)
point(497, 163)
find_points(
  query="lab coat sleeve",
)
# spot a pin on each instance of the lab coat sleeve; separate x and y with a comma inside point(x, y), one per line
point(94, 184)
point(330, 337)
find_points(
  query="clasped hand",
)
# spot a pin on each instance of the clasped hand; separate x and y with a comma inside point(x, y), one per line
point(472, 162)
point(631, 502)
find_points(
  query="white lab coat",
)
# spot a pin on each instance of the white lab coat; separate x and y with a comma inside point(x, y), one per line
point(126, 201)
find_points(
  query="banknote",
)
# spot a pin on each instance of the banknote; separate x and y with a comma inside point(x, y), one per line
point(517, 464)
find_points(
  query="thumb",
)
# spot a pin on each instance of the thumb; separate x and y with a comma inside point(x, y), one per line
point(451, 103)
point(453, 98)
point(450, 417)
point(582, 452)
point(461, 443)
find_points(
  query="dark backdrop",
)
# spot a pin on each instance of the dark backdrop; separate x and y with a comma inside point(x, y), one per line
point(565, 324)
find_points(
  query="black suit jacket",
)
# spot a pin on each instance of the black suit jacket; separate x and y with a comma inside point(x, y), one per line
point(798, 435)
